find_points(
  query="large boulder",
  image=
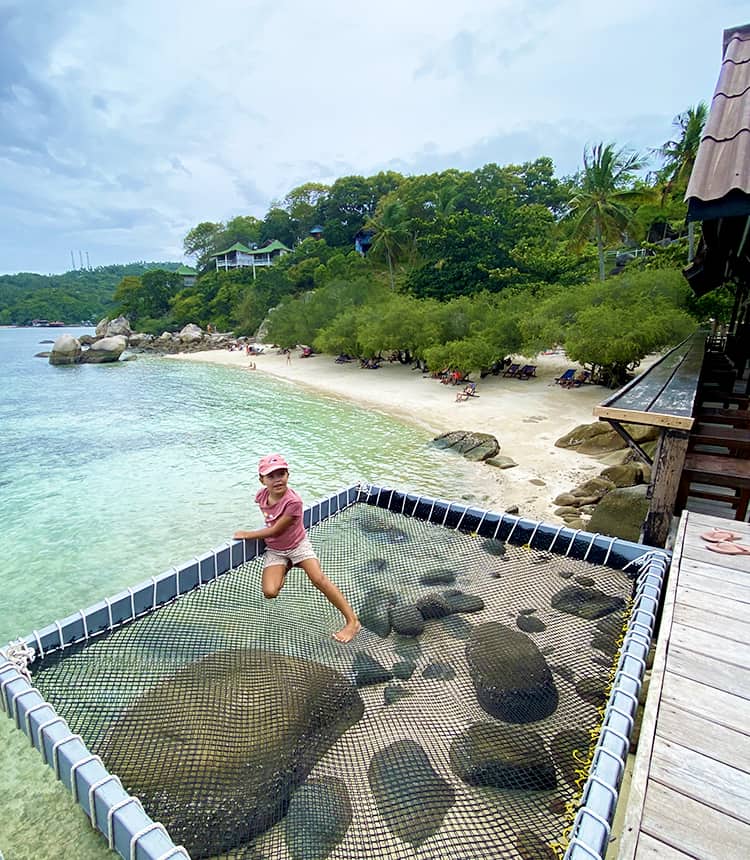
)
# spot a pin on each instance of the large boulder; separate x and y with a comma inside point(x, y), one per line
point(278, 715)
point(319, 816)
point(118, 326)
point(502, 757)
point(474, 446)
point(106, 350)
point(191, 333)
point(65, 350)
point(600, 438)
point(511, 678)
point(621, 513)
point(101, 327)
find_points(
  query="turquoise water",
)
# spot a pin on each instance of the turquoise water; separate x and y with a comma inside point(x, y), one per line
point(110, 474)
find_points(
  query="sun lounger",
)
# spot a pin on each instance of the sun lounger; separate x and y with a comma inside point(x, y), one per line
point(527, 371)
point(566, 377)
point(512, 370)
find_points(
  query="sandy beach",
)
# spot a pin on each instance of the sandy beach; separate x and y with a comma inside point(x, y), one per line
point(526, 417)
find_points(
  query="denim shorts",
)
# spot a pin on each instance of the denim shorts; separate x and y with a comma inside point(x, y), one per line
point(301, 552)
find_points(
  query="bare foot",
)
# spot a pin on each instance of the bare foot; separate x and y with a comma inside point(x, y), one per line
point(348, 632)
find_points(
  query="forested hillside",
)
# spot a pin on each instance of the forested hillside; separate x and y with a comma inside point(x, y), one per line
point(84, 294)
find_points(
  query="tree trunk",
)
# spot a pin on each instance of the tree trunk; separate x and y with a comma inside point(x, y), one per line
point(600, 249)
point(390, 269)
point(691, 241)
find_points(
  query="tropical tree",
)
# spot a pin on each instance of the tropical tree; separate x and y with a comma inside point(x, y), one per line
point(600, 207)
point(391, 237)
point(679, 155)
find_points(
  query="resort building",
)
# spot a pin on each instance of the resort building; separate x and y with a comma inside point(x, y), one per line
point(188, 275)
point(239, 256)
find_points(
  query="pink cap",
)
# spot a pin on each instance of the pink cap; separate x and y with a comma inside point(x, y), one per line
point(270, 463)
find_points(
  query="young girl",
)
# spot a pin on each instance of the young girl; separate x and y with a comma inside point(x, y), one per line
point(287, 543)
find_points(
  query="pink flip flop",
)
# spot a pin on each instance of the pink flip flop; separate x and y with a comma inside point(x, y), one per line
point(720, 535)
point(726, 548)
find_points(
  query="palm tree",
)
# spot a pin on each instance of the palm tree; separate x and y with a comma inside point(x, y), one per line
point(600, 206)
point(679, 155)
point(391, 238)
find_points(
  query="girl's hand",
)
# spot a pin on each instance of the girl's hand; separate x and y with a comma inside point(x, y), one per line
point(243, 535)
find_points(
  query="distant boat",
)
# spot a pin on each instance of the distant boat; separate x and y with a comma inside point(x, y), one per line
point(55, 324)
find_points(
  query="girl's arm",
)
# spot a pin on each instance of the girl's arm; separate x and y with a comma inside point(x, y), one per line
point(281, 524)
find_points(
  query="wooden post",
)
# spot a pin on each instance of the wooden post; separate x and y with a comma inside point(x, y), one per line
point(669, 461)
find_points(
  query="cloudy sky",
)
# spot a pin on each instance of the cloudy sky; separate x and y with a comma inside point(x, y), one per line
point(123, 125)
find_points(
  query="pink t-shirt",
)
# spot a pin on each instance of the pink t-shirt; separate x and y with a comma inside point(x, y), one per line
point(290, 505)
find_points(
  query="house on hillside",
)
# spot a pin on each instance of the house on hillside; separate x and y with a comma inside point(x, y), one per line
point(316, 232)
point(239, 256)
point(363, 241)
point(188, 275)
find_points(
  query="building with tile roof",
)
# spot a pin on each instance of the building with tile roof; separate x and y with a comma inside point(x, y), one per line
point(718, 193)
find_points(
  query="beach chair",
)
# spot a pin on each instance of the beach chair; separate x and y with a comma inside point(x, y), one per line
point(527, 371)
point(566, 377)
point(580, 379)
point(512, 370)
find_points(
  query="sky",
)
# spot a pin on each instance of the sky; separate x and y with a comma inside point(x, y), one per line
point(123, 125)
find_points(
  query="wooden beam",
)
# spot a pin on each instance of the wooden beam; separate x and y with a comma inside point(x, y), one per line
point(665, 481)
point(651, 419)
point(640, 453)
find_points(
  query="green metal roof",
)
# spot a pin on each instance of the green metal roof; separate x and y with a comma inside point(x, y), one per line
point(238, 246)
point(185, 270)
point(274, 246)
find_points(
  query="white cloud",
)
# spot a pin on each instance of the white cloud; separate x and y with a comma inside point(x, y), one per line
point(174, 113)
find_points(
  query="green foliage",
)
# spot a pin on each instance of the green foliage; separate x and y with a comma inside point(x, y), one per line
point(72, 297)
point(612, 325)
point(147, 297)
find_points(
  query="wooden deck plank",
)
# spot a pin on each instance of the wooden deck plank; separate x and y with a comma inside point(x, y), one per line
point(704, 619)
point(703, 736)
point(689, 826)
point(712, 644)
point(710, 671)
point(654, 849)
point(712, 576)
point(726, 607)
point(707, 702)
point(713, 783)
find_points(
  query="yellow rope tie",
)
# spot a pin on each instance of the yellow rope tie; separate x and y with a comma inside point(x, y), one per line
point(584, 758)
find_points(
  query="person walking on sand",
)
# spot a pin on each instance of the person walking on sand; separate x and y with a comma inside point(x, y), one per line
point(287, 543)
point(289, 356)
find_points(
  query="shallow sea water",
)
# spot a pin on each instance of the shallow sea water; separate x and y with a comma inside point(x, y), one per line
point(111, 474)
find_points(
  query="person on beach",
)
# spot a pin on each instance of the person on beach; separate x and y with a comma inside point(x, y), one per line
point(287, 543)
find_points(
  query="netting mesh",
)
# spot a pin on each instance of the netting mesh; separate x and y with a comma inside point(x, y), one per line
point(452, 727)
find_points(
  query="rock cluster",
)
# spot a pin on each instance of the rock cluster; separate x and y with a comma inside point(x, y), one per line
point(113, 337)
point(614, 503)
point(473, 446)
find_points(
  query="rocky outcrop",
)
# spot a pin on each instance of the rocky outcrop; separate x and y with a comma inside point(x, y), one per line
point(621, 513)
point(282, 713)
point(473, 446)
point(105, 350)
point(585, 602)
point(511, 678)
point(623, 472)
point(65, 350)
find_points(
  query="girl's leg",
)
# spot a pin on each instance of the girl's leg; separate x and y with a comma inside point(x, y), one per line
point(273, 579)
point(311, 566)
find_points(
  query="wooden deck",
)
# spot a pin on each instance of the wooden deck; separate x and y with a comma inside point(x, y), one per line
point(690, 792)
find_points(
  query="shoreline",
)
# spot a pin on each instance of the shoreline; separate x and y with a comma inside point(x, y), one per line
point(526, 416)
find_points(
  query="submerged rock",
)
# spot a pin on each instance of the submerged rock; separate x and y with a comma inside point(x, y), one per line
point(281, 713)
point(570, 749)
point(511, 678)
point(319, 815)
point(368, 671)
point(411, 796)
point(406, 619)
point(583, 602)
point(502, 757)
